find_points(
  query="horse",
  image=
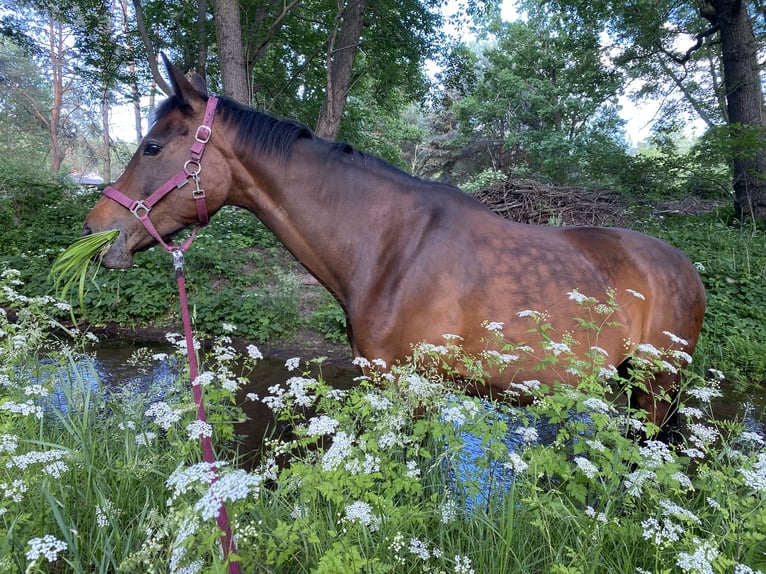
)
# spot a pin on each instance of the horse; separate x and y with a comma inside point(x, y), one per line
point(408, 260)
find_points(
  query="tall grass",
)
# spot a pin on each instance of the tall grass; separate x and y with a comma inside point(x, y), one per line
point(359, 484)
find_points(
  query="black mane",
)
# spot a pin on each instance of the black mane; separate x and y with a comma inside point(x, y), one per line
point(258, 132)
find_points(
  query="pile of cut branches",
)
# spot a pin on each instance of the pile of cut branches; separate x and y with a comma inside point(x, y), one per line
point(528, 201)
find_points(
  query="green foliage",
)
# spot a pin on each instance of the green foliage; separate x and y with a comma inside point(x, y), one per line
point(330, 321)
point(544, 103)
point(732, 264)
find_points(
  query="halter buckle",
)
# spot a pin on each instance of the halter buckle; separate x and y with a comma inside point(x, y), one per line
point(137, 207)
point(203, 134)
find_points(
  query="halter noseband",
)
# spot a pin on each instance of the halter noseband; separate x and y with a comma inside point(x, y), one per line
point(191, 169)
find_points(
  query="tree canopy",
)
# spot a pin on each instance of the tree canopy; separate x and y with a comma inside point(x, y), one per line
point(539, 96)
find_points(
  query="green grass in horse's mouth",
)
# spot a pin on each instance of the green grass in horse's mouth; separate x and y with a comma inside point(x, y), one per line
point(73, 264)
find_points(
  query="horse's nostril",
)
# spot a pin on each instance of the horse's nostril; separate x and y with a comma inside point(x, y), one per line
point(86, 230)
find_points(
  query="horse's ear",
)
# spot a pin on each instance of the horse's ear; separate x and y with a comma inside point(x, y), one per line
point(187, 90)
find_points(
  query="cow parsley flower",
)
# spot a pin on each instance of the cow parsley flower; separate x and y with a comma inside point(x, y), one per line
point(756, 478)
point(47, 546)
point(587, 467)
point(230, 487)
point(163, 414)
point(337, 453)
point(198, 429)
point(463, 565)
point(361, 512)
point(9, 443)
point(704, 394)
point(516, 463)
point(183, 479)
point(419, 549)
point(701, 560)
point(254, 353)
point(377, 401)
point(494, 326)
point(662, 533)
point(292, 363)
point(321, 425)
point(636, 294)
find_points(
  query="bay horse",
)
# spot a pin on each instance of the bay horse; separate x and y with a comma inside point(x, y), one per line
point(408, 260)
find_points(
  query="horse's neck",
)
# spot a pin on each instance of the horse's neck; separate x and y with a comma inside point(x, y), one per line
point(331, 214)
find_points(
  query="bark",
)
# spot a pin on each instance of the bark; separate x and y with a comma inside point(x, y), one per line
point(106, 139)
point(202, 36)
point(744, 104)
point(135, 93)
point(231, 54)
point(56, 46)
point(342, 48)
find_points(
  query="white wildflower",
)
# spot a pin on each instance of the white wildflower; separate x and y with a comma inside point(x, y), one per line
point(675, 338)
point(691, 412)
point(596, 445)
point(9, 443)
point(163, 414)
point(146, 438)
point(419, 549)
point(756, 478)
point(413, 471)
point(183, 479)
point(463, 565)
point(704, 394)
point(448, 511)
point(662, 534)
point(361, 362)
point(321, 425)
point(377, 401)
point(516, 464)
point(557, 348)
point(587, 467)
point(576, 296)
point(47, 546)
point(598, 516)
point(636, 294)
point(292, 363)
point(528, 434)
point(204, 379)
point(494, 326)
point(228, 327)
point(336, 454)
point(380, 363)
point(528, 313)
point(670, 508)
point(362, 513)
point(233, 486)
point(655, 453)
point(596, 404)
point(700, 561)
point(683, 480)
point(198, 429)
point(254, 353)
point(635, 480)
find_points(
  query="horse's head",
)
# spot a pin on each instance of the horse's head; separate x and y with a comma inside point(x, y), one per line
point(162, 157)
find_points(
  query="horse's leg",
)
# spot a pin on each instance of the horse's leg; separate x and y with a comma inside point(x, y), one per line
point(658, 396)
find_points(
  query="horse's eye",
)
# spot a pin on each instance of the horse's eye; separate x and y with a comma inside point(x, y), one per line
point(152, 149)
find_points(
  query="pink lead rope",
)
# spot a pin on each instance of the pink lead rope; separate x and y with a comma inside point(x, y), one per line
point(141, 209)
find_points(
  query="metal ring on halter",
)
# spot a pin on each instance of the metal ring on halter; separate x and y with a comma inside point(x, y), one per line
point(192, 162)
point(139, 205)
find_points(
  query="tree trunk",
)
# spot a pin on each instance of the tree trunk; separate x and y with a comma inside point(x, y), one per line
point(341, 51)
point(744, 103)
point(56, 45)
point(202, 38)
point(228, 32)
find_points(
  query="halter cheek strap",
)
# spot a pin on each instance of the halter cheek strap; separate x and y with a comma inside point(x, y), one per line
point(190, 171)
